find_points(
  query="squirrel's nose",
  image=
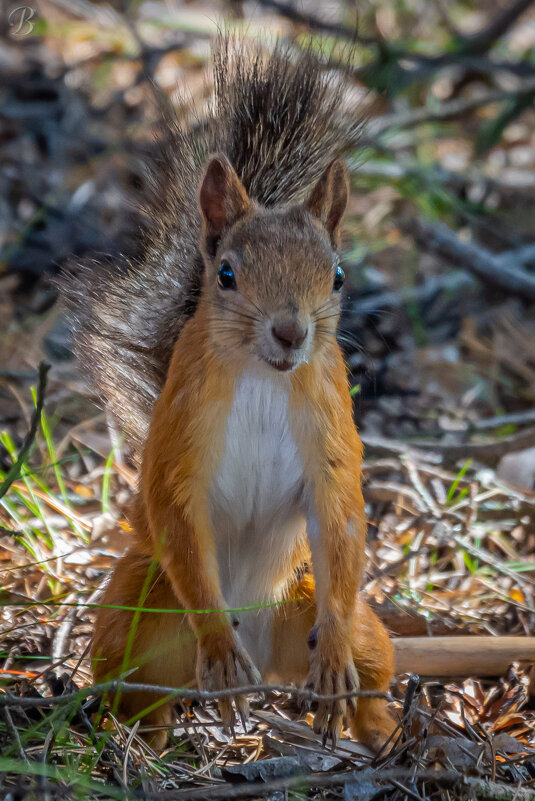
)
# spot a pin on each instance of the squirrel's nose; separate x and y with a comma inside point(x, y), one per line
point(289, 335)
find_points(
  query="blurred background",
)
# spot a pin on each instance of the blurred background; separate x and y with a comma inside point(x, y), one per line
point(439, 316)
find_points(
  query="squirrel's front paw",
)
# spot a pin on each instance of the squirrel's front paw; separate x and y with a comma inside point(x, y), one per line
point(332, 674)
point(222, 663)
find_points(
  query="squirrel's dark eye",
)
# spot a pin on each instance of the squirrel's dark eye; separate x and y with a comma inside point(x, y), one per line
point(339, 279)
point(225, 276)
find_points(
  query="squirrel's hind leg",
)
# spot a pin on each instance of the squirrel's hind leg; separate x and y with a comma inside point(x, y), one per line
point(292, 638)
point(373, 653)
point(160, 646)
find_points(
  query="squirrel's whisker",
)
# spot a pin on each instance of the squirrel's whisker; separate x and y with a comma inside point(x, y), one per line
point(237, 311)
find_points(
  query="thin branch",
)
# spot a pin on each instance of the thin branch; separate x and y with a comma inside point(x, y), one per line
point(291, 13)
point(12, 729)
point(403, 496)
point(492, 448)
point(385, 445)
point(184, 693)
point(392, 567)
point(359, 780)
point(468, 53)
point(422, 64)
point(360, 785)
point(504, 271)
point(420, 487)
point(482, 41)
point(515, 418)
point(444, 111)
point(14, 471)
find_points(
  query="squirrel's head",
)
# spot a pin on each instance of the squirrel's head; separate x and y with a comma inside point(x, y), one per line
point(272, 276)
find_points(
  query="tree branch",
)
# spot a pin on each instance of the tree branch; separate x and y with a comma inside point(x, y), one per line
point(444, 111)
point(482, 41)
point(291, 13)
point(503, 271)
point(435, 450)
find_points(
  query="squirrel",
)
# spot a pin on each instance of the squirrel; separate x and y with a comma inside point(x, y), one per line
point(216, 352)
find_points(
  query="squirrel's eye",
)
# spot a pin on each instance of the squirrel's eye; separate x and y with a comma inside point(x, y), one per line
point(225, 276)
point(339, 279)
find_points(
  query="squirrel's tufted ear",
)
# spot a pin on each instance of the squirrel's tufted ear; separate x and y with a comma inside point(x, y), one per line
point(328, 199)
point(222, 200)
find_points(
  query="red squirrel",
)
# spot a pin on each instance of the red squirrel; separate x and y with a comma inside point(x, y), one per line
point(216, 351)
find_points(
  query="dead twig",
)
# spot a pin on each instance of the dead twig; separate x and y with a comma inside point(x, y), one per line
point(401, 495)
point(410, 703)
point(490, 449)
point(64, 631)
point(384, 445)
point(359, 781)
point(420, 487)
point(390, 569)
point(503, 271)
point(455, 283)
point(12, 729)
point(482, 41)
point(515, 419)
point(291, 13)
point(444, 111)
point(183, 692)
point(14, 472)
point(436, 451)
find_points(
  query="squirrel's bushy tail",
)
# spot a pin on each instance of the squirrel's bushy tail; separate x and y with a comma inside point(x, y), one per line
point(277, 118)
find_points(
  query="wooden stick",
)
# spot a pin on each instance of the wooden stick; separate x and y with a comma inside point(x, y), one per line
point(461, 656)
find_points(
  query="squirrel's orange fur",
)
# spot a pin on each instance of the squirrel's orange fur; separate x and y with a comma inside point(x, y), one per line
point(228, 510)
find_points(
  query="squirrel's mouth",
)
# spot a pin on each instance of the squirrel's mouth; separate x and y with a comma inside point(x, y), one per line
point(283, 366)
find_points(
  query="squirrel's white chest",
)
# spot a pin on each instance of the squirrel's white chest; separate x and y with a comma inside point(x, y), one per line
point(260, 473)
point(256, 495)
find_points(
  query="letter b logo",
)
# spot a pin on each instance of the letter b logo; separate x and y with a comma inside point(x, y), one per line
point(20, 20)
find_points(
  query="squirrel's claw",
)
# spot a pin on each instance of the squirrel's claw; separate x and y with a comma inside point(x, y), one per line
point(225, 669)
point(330, 715)
point(227, 714)
point(305, 704)
point(242, 705)
point(328, 723)
point(228, 717)
point(352, 683)
point(248, 666)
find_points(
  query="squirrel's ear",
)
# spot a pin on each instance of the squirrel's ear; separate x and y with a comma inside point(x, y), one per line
point(222, 200)
point(328, 199)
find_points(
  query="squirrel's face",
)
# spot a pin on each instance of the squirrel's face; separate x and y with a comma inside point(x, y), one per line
point(272, 277)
